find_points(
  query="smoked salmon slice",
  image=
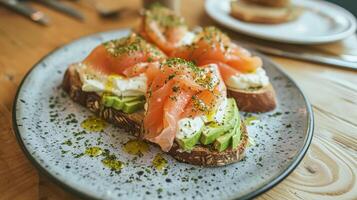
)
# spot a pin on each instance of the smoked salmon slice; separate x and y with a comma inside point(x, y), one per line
point(179, 90)
point(128, 57)
point(213, 46)
point(176, 88)
point(162, 27)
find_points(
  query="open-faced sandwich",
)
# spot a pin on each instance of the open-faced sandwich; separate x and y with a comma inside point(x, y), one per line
point(243, 73)
point(170, 102)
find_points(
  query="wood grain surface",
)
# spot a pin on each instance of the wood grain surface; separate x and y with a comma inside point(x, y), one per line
point(328, 171)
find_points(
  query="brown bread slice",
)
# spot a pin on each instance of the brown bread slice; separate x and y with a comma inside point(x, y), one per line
point(261, 100)
point(271, 3)
point(200, 155)
point(207, 156)
point(251, 12)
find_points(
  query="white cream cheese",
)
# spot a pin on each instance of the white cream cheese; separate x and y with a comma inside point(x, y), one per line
point(187, 127)
point(187, 38)
point(249, 80)
point(221, 110)
point(118, 85)
point(213, 68)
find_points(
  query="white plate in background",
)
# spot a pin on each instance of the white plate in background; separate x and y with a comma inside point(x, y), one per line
point(320, 22)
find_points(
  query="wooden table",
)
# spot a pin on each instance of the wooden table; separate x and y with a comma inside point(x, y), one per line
point(328, 171)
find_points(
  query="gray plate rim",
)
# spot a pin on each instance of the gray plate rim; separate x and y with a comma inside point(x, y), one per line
point(290, 168)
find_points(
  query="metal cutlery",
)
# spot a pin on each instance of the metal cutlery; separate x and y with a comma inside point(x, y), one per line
point(26, 10)
point(341, 61)
point(22, 7)
point(56, 5)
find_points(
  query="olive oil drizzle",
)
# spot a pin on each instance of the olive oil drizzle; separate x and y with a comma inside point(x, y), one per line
point(159, 162)
point(110, 160)
point(94, 124)
point(93, 151)
point(113, 164)
point(136, 147)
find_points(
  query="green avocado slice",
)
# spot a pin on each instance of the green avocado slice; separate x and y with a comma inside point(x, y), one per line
point(236, 138)
point(223, 142)
point(132, 98)
point(210, 134)
point(133, 106)
point(126, 104)
point(187, 143)
point(108, 100)
point(117, 105)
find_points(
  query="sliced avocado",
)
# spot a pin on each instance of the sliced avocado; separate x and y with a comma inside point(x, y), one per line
point(124, 103)
point(112, 102)
point(187, 143)
point(132, 98)
point(235, 117)
point(117, 104)
point(133, 106)
point(223, 142)
point(236, 138)
point(108, 100)
point(210, 134)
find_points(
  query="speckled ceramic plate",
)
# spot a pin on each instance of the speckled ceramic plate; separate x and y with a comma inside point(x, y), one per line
point(47, 124)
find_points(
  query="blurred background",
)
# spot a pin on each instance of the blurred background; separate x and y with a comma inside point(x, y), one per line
point(350, 5)
point(53, 22)
point(44, 25)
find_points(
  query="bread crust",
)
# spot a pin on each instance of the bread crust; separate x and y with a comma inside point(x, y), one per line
point(209, 157)
point(132, 123)
point(261, 100)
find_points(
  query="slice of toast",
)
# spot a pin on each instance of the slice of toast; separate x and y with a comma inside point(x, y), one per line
point(73, 86)
point(252, 12)
point(260, 100)
point(200, 155)
point(271, 3)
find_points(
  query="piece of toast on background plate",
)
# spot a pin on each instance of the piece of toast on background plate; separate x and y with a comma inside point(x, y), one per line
point(264, 12)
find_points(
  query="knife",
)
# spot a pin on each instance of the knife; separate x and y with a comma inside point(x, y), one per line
point(56, 5)
point(27, 11)
point(316, 58)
